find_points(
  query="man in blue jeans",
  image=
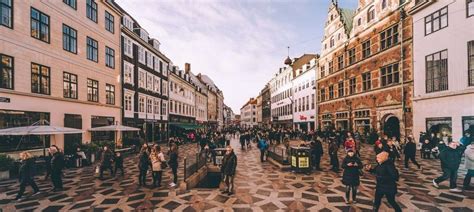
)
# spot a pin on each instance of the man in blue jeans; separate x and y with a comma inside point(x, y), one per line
point(450, 157)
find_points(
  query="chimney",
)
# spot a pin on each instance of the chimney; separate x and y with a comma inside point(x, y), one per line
point(187, 68)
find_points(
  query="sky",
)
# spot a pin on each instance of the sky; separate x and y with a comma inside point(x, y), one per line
point(240, 44)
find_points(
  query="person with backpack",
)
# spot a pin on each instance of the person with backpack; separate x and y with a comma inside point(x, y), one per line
point(351, 175)
point(386, 178)
point(26, 175)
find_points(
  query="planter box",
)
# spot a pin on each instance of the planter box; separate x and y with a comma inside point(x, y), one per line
point(4, 175)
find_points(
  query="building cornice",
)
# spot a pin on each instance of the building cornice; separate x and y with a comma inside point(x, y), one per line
point(422, 4)
point(149, 47)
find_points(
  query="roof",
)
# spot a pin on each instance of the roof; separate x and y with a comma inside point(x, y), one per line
point(250, 101)
point(301, 61)
point(347, 17)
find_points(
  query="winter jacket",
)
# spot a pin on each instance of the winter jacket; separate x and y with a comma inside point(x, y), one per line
point(333, 149)
point(262, 145)
point(229, 164)
point(119, 161)
point(410, 149)
point(451, 158)
point(393, 152)
point(317, 149)
point(26, 170)
point(351, 174)
point(349, 145)
point(107, 158)
point(173, 161)
point(156, 160)
point(469, 157)
point(143, 161)
point(57, 162)
point(386, 176)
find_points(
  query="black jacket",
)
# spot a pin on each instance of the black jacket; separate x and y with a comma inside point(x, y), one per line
point(143, 161)
point(317, 149)
point(173, 161)
point(387, 177)
point(333, 149)
point(451, 158)
point(351, 174)
point(57, 162)
point(229, 164)
point(118, 161)
point(393, 152)
point(410, 149)
point(26, 170)
point(107, 158)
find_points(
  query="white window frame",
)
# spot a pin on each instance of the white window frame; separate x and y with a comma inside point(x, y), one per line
point(157, 84)
point(141, 55)
point(128, 73)
point(128, 46)
point(149, 59)
point(149, 81)
point(141, 78)
point(128, 22)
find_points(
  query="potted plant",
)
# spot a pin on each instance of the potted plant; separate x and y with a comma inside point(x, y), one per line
point(6, 163)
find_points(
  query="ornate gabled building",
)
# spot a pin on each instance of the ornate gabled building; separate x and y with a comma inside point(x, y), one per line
point(365, 73)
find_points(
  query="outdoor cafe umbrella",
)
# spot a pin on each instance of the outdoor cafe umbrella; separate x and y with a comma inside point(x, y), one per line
point(40, 128)
point(115, 128)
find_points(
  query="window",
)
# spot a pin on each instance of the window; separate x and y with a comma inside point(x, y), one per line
point(340, 87)
point(40, 79)
point(156, 106)
point(149, 81)
point(128, 22)
point(470, 8)
point(109, 57)
point(384, 4)
point(128, 102)
point(141, 55)
point(39, 25)
point(312, 101)
point(359, 22)
point(157, 84)
point(340, 62)
point(352, 86)
point(141, 78)
point(91, 10)
point(128, 46)
point(128, 72)
point(92, 90)
point(141, 104)
point(92, 50)
point(71, 3)
point(296, 105)
point(389, 37)
point(352, 56)
point(69, 39)
point(437, 72)
point(322, 73)
point(109, 22)
point(69, 85)
point(109, 94)
point(370, 14)
point(436, 21)
point(389, 74)
point(307, 102)
point(366, 81)
point(470, 62)
point(164, 89)
point(6, 13)
point(149, 59)
point(331, 92)
point(6, 72)
point(331, 42)
point(330, 67)
point(164, 108)
point(366, 49)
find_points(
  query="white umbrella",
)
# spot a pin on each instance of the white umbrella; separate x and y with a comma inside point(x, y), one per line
point(115, 128)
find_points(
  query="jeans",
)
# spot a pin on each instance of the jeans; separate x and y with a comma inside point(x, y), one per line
point(354, 192)
point(174, 169)
point(157, 178)
point(56, 178)
point(229, 182)
point(413, 160)
point(24, 183)
point(142, 177)
point(390, 198)
point(452, 174)
point(467, 179)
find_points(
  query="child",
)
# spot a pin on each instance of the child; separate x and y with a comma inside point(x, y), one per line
point(350, 177)
point(118, 163)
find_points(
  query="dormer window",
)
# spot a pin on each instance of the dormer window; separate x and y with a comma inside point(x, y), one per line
point(144, 35)
point(156, 44)
point(128, 22)
point(370, 14)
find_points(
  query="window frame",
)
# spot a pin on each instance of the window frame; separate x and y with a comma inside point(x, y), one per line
point(70, 84)
point(70, 38)
point(366, 51)
point(90, 96)
point(91, 7)
point(352, 55)
point(340, 62)
point(93, 48)
point(40, 24)
point(370, 14)
point(40, 79)
point(340, 89)
point(12, 70)
point(352, 85)
point(366, 81)
point(109, 57)
point(467, 8)
point(12, 10)
point(331, 92)
point(392, 74)
point(470, 54)
point(440, 78)
point(68, 2)
point(391, 39)
point(109, 22)
point(438, 17)
point(109, 90)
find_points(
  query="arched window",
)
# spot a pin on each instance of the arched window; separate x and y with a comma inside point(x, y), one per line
point(370, 14)
point(384, 4)
point(331, 42)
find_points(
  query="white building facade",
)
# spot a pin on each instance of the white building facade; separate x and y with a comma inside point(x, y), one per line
point(281, 98)
point(304, 107)
point(443, 67)
point(248, 114)
point(182, 100)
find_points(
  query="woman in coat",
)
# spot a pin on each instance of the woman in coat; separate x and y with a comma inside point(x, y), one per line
point(350, 177)
point(173, 163)
point(143, 165)
point(26, 174)
point(469, 158)
point(156, 158)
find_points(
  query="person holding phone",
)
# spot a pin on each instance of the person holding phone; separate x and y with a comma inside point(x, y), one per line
point(351, 175)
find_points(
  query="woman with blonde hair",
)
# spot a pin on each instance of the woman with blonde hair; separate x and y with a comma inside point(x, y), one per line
point(26, 174)
point(156, 158)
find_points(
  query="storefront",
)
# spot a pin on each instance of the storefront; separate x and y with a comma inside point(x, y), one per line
point(326, 122)
point(342, 121)
point(72, 141)
point(468, 124)
point(362, 122)
point(101, 121)
point(440, 126)
point(14, 118)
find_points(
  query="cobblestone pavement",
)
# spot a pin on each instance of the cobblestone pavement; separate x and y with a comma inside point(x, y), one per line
point(260, 187)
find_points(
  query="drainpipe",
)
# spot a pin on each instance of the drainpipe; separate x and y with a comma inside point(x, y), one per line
point(402, 58)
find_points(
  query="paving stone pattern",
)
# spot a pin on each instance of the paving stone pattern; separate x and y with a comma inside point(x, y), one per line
point(260, 187)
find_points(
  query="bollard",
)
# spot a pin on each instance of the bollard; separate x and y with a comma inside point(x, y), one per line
point(184, 171)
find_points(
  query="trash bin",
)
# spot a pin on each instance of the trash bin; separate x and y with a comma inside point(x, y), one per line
point(220, 152)
point(300, 159)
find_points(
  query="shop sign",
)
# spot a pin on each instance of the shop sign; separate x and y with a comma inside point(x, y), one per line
point(303, 118)
point(293, 161)
point(303, 162)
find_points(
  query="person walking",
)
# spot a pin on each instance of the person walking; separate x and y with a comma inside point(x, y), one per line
point(392, 151)
point(143, 165)
point(351, 175)
point(157, 158)
point(173, 163)
point(47, 160)
point(410, 152)
point(386, 178)
point(118, 163)
point(57, 165)
point(106, 162)
point(26, 175)
point(317, 151)
point(469, 160)
point(333, 148)
point(262, 146)
point(229, 166)
point(450, 157)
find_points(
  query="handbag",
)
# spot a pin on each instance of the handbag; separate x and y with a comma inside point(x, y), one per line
point(164, 165)
point(97, 169)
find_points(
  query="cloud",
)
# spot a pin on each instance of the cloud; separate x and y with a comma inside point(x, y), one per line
point(236, 43)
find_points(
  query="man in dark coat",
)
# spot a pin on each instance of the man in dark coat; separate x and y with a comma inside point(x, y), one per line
point(143, 165)
point(317, 152)
point(229, 165)
point(351, 175)
point(410, 152)
point(450, 157)
point(26, 174)
point(333, 148)
point(57, 165)
point(106, 162)
point(386, 177)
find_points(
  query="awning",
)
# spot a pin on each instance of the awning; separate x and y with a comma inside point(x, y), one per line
point(186, 126)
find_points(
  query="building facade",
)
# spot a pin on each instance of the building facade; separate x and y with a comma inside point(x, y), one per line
point(365, 70)
point(182, 100)
point(145, 82)
point(201, 100)
point(229, 116)
point(281, 98)
point(304, 85)
point(220, 109)
point(60, 63)
point(248, 114)
point(266, 106)
point(259, 110)
point(444, 72)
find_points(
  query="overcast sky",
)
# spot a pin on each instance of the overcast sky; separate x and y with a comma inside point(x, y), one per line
point(239, 44)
